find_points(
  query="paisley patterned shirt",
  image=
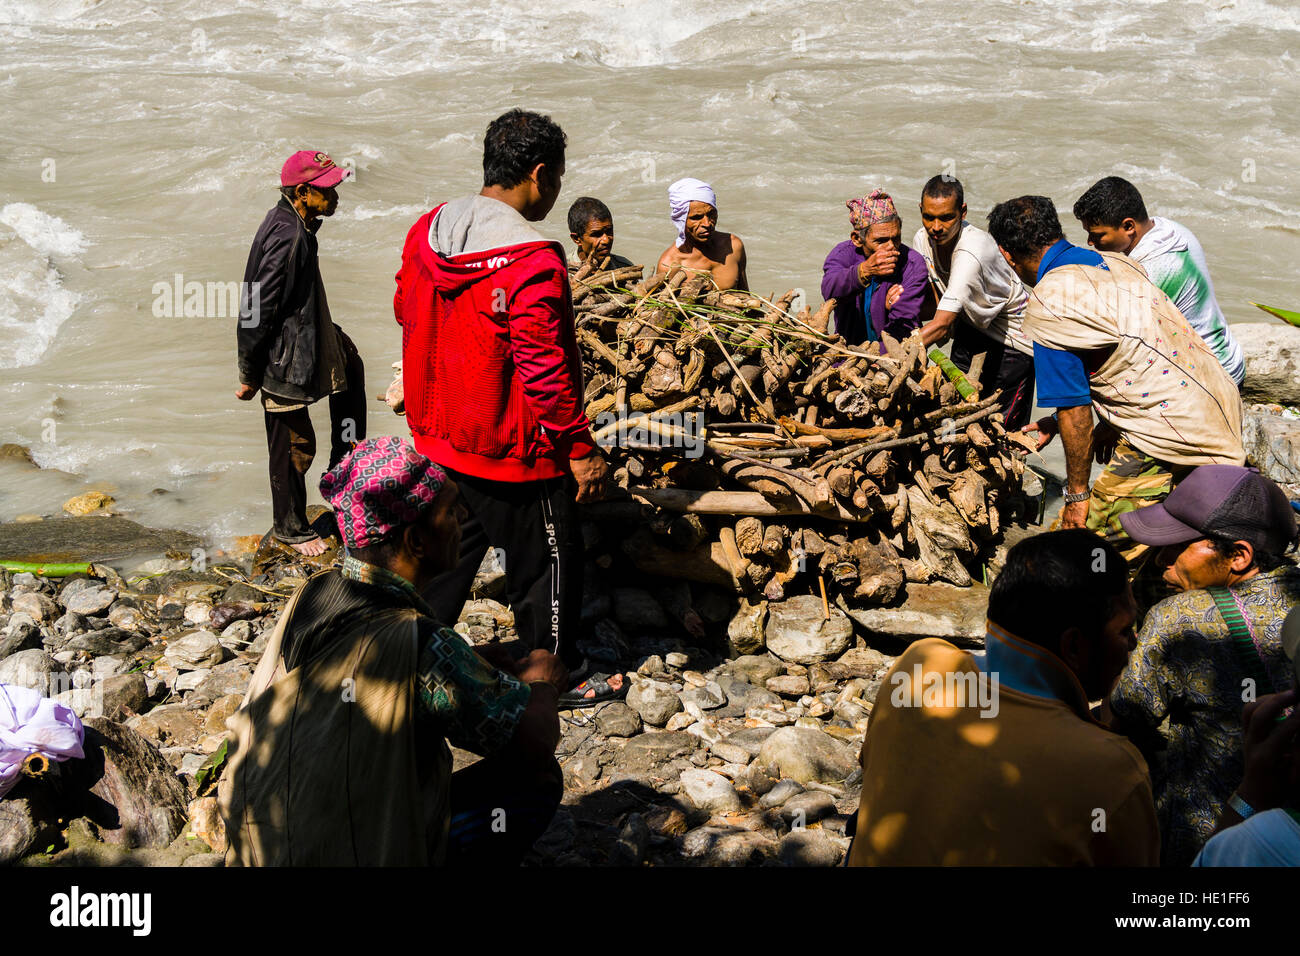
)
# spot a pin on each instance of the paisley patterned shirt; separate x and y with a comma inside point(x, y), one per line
point(465, 699)
point(1180, 699)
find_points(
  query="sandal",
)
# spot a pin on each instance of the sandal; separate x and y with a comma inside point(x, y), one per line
point(595, 689)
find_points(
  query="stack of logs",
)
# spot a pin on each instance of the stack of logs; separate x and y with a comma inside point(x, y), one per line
point(819, 464)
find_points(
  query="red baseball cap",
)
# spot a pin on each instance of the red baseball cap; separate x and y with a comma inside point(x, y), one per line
point(312, 167)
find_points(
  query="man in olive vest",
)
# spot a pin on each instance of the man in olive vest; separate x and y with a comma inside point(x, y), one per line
point(341, 755)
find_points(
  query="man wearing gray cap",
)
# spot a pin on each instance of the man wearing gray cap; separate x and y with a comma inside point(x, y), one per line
point(1220, 540)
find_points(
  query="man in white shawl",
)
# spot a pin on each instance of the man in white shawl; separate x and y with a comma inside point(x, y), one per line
point(699, 245)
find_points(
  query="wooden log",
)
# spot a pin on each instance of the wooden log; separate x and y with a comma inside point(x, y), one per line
point(814, 490)
point(774, 540)
point(967, 494)
point(910, 350)
point(749, 536)
point(687, 532)
point(737, 563)
point(738, 503)
point(785, 568)
point(879, 466)
point(706, 563)
point(595, 280)
point(836, 434)
point(976, 370)
point(842, 482)
point(822, 317)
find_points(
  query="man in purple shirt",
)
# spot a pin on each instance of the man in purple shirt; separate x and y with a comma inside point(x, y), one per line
point(879, 284)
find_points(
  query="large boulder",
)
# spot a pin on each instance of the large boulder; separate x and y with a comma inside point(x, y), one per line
point(32, 669)
point(654, 700)
point(745, 630)
point(125, 787)
point(710, 791)
point(649, 751)
point(808, 756)
point(37, 606)
point(197, 651)
point(89, 601)
point(1273, 445)
point(1272, 351)
point(798, 630)
point(23, 829)
point(956, 614)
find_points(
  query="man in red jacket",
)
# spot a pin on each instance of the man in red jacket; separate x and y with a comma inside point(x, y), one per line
point(494, 393)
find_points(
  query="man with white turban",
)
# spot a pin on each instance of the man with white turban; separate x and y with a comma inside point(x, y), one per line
point(699, 246)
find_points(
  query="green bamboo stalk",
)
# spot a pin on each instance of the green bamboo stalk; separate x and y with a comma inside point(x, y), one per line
point(51, 570)
point(964, 388)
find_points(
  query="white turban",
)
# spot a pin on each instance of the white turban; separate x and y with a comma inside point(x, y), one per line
point(680, 196)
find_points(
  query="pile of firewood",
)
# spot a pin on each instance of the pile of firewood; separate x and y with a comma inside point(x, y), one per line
point(818, 464)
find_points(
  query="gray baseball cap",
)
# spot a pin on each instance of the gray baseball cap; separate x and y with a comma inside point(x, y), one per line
point(1227, 501)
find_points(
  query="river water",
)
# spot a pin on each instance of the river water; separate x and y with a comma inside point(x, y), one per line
point(142, 141)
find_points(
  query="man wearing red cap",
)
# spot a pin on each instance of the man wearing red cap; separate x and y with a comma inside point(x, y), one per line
point(289, 347)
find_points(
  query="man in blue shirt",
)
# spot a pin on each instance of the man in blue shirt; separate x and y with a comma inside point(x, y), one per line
point(1104, 335)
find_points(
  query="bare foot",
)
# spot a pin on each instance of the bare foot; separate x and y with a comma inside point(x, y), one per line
point(310, 548)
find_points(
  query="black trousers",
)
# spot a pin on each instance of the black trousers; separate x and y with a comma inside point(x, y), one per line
point(291, 441)
point(1004, 367)
point(499, 807)
point(534, 527)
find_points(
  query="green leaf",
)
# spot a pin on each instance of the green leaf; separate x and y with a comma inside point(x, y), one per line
point(206, 779)
point(1285, 315)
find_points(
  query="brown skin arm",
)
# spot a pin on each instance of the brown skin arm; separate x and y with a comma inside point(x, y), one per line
point(1076, 436)
point(538, 731)
point(590, 474)
point(1267, 746)
point(939, 328)
point(737, 260)
point(669, 258)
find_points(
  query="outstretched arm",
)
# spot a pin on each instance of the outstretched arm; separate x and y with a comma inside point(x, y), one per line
point(1076, 436)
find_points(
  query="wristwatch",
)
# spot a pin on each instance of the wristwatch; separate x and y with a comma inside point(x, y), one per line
point(1073, 498)
point(1240, 807)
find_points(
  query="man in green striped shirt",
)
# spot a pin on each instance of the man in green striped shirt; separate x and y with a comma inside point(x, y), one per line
point(1116, 218)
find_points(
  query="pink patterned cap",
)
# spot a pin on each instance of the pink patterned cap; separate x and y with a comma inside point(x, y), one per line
point(869, 210)
point(381, 485)
point(313, 167)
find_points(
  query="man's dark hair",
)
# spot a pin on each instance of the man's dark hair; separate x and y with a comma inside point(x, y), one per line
point(515, 143)
point(585, 210)
point(1058, 580)
point(1264, 560)
point(943, 186)
point(380, 553)
point(1108, 202)
point(1024, 225)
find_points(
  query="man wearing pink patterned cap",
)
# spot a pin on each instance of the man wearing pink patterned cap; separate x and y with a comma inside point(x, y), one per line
point(879, 285)
point(341, 754)
point(289, 347)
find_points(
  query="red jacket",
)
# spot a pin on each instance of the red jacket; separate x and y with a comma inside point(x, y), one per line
point(495, 394)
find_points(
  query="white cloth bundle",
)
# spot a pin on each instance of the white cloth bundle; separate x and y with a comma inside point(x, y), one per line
point(680, 196)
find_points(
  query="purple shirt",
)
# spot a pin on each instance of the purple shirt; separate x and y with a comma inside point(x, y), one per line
point(840, 282)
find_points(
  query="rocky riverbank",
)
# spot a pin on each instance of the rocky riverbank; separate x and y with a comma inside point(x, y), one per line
point(743, 751)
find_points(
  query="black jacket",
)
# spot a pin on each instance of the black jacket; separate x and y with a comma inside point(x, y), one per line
point(278, 328)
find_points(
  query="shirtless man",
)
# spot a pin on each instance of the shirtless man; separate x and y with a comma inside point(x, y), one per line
point(699, 245)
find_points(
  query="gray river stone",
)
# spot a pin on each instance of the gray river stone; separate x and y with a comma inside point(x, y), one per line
point(89, 538)
point(956, 614)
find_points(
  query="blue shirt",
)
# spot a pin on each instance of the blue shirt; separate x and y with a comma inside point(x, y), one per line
point(1062, 378)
